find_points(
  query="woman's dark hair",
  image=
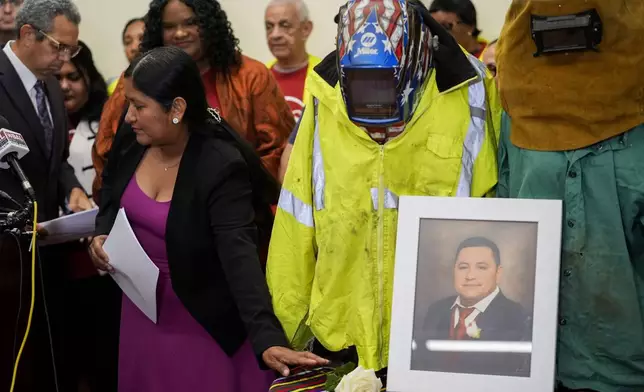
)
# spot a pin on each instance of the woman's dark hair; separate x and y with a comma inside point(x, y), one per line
point(127, 26)
point(96, 86)
point(220, 46)
point(464, 9)
point(166, 73)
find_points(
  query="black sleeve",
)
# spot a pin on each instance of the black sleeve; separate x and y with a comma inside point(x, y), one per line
point(106, 215)
point(107, 206)
point(235, 235)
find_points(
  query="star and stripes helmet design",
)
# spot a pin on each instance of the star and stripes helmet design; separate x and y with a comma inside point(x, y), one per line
point(384, 58)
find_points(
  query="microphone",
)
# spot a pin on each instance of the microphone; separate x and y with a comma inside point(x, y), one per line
point(12, 148)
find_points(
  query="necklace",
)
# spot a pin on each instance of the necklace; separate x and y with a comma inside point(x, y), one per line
point(170, 167)
point(163, 164)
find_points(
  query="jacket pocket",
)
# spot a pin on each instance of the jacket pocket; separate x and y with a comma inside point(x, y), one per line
point(445, 155)
point(445, 147)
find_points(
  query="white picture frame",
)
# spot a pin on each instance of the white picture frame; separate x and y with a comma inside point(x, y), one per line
point(414, 212)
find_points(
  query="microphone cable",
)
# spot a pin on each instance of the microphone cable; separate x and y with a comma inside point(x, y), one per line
point(33, 296)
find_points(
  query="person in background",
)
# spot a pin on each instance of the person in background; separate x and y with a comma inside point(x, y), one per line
point(288, 27)
point(8, 10)
point(241, 89)
point(91, 332)
point(32, 103)
point(459, 18)
point(131, 38)
point(489, 57)
point(85, 94)
point(189, 184)
point(291, 139)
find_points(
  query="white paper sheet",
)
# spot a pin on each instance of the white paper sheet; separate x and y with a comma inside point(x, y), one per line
point(69, 227)
point(134, 272)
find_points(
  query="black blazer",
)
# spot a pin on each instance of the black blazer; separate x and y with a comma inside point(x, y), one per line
point(50, 175)
point(210, 238)
point(503, 320)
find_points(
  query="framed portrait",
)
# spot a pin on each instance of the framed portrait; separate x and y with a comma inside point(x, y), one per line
point(475, 298)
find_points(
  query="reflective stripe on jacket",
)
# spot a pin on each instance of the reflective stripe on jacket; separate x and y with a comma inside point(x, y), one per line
point(331, 260)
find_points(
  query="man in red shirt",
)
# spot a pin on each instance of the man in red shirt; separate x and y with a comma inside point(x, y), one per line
point(288, 27)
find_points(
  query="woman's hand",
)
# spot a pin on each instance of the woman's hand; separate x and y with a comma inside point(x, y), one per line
point(78, 201)
point(98, 255)
point(41, 231)
point(280, 358)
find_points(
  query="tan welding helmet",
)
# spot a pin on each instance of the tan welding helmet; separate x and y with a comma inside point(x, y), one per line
point(559, 94)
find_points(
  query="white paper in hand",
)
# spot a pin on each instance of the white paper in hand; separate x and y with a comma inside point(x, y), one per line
point(134, 272)
point(69, 227)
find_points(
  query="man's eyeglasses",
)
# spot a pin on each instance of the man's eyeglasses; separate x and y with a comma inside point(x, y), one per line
point(70, 51)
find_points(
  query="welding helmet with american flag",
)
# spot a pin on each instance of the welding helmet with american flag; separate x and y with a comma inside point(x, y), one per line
point(384, 59)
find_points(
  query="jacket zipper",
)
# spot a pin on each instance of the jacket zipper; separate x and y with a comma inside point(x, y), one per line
point(381, 250)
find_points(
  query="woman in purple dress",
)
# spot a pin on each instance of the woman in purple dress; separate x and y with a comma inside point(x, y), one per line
point(197, 198)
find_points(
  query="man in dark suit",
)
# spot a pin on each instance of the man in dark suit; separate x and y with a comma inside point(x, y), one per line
point(31, 100)
point(480, 312)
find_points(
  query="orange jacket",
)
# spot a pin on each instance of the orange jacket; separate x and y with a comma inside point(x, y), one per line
point(251, 102)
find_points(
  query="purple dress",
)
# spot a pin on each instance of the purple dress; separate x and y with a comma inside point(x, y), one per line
point(176, 354)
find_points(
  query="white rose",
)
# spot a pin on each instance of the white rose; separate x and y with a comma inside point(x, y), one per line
point(360, 380)
point(473, 330)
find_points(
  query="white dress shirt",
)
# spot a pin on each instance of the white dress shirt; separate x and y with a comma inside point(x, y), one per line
point(479, 307)
point(26, 76)
point(80, 153)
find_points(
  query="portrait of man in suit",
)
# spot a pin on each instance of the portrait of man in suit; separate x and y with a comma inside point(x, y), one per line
point(479, 312)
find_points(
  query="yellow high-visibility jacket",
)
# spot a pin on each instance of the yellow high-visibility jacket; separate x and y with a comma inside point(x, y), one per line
point(331, 260)
point(313, 61)
point(111, 85)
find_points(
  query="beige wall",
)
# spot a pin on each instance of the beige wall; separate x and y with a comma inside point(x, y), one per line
point(103, 22)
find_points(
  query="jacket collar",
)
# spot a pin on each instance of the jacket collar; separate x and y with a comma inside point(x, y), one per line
point(451, 64)
point(313, 61)
point(27, 77)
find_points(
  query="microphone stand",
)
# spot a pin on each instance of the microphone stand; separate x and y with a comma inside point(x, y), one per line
point(17, 221)
point(20, 218)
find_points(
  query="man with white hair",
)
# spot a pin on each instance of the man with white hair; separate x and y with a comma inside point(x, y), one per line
point(288, 27)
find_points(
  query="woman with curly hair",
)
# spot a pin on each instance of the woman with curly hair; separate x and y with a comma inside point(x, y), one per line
point(240, 88)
